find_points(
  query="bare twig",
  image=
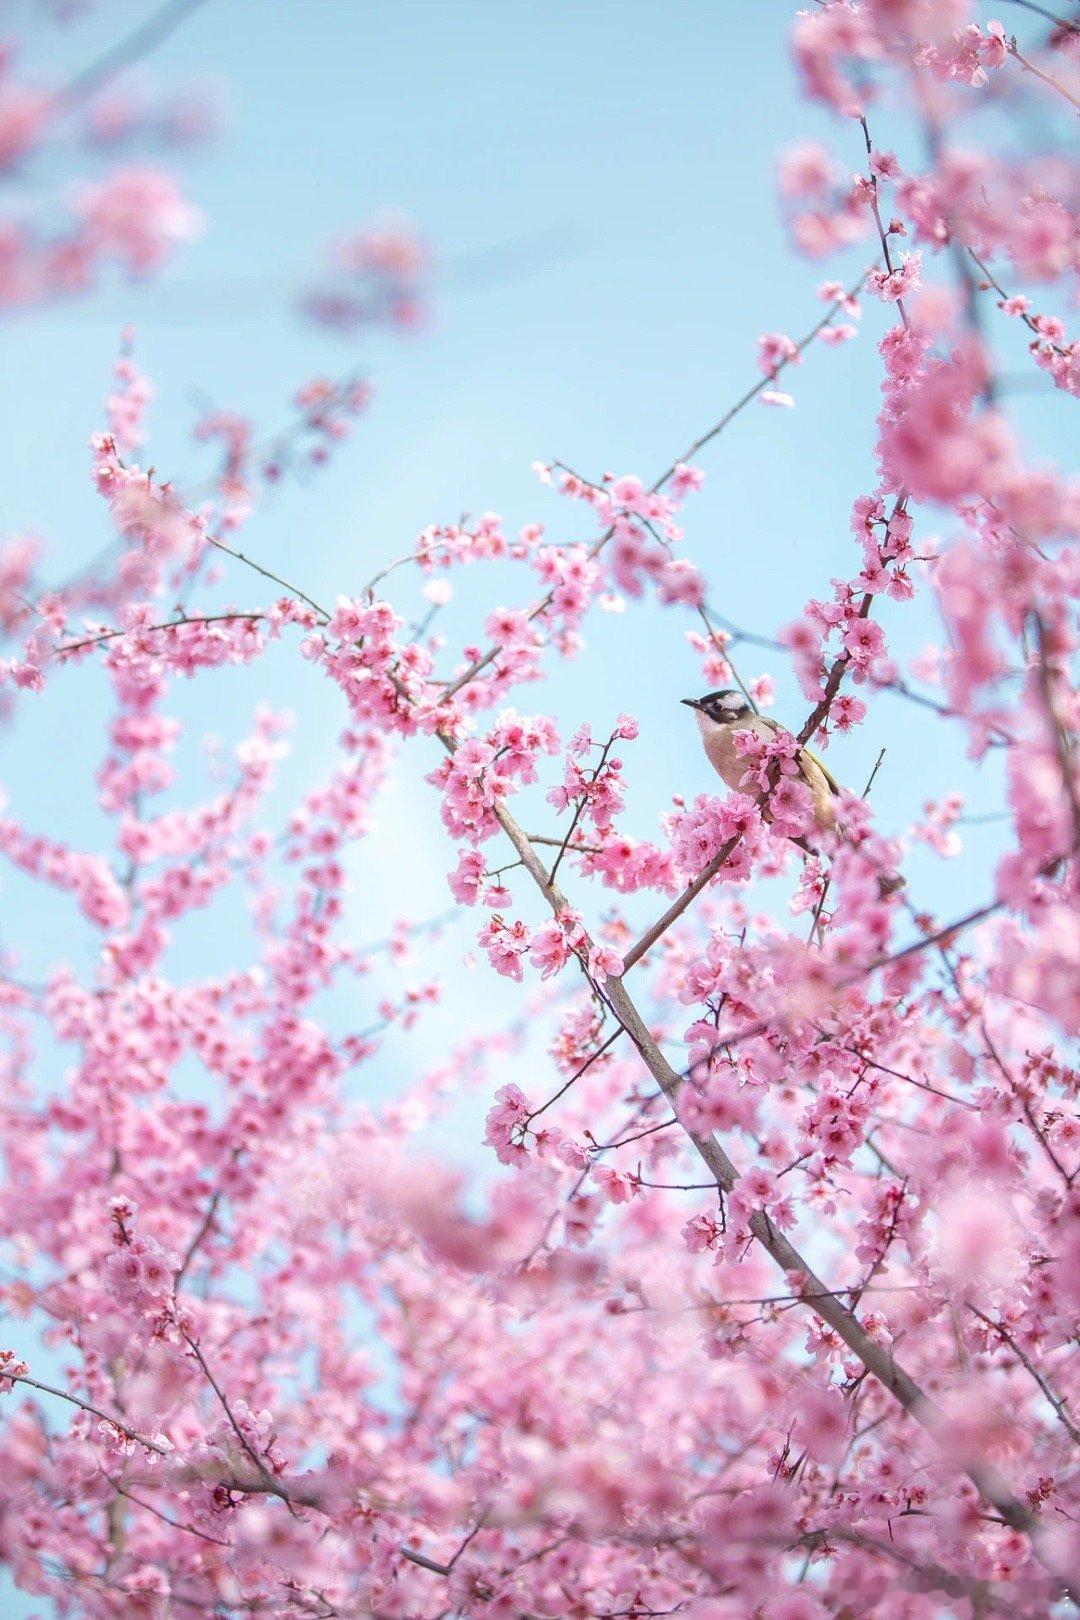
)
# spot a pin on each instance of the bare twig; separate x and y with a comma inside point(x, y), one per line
point(1040, 11)
point(1058, 1402)
point(127, 51)
point(1046, 78)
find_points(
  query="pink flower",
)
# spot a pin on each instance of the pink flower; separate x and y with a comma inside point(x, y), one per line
point(11, 1369)
point(605, 963)
point(775, 349)
point(833, 292)
point(891, 285)
point(805, 170)
point(467, 879)
point(885, 165)
point(628, 492)
point(505, 1125)
point(506, 946)
point(685, 480)
point(995, 45)
point(138, 214)
point(618, 1188)
point(701, 1232)
point(847, 712)
point(550, 949)
point(864, 641)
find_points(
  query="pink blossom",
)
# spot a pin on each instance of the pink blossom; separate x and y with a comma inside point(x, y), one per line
point(140, 215)
point(804, 170)
point(686, 480)
point(775, 349)
point(617, 1187)
point(605, 963)
point(506, 1123)
point(885, 165)
point(506, 945)
point(467, 879)
point(891, 285)
point(550, 949)
point(864, 641)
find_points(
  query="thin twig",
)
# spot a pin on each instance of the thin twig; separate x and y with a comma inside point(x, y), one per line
point(139, 43)
point(725, 654)
point(589, 1061)
point(1041, 11)
point(1058, 1402)
point(883, 235)
point(87, 1406)
point(1046, 78)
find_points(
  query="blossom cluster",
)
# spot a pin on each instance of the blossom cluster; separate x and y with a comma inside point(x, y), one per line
point(375, 276)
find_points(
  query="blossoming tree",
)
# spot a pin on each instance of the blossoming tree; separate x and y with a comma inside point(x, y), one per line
point(770, 1307)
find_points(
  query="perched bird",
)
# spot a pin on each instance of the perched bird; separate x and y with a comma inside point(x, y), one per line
point(721, 714)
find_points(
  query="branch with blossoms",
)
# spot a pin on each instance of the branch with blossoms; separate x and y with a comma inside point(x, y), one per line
point(314, 1369)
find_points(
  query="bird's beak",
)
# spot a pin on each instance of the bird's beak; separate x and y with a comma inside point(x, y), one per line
point(691, 703)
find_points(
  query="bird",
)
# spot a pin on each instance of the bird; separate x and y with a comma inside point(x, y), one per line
point(720, 715)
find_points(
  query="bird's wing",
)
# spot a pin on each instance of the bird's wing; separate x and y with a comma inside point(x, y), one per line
point(823, 768)
point(774, 725)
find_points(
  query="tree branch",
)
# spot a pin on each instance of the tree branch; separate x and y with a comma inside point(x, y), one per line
point(139, 43)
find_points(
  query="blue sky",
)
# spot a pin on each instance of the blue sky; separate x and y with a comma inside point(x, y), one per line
point(635, 146)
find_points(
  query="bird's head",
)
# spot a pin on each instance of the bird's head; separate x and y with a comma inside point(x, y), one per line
point(726, 708)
